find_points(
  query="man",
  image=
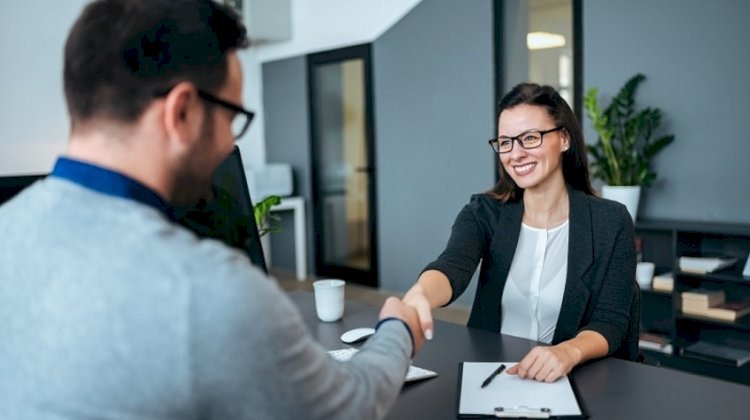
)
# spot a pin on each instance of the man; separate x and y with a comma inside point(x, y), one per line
point(111, 310)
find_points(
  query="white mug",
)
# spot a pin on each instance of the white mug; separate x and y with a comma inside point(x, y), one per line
point(644, 273)
point(329, 299)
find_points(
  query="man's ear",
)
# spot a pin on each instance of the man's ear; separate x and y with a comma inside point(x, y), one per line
point(182, 114)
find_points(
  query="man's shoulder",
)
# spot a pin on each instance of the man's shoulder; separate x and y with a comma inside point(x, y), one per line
point(204, 258)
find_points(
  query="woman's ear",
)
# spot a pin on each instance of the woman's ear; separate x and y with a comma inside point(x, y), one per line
point(565, 139)
point(182, 114)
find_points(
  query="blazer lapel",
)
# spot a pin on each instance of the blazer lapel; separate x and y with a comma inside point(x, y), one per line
point(580, 258)
point(509, 229)
point(505, 241)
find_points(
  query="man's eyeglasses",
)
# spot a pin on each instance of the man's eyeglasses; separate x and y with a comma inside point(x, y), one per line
point(242, 117)
point(528, 140)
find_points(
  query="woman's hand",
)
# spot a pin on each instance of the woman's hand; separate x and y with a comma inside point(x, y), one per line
point(416, 298)
point(433, 289)
point(547, 363)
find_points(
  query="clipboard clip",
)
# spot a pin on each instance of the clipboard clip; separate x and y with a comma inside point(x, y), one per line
point(522, 412)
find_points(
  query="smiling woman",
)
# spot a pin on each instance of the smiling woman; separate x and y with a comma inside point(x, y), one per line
point(535, 164)
point(541, 277)
point(553, 144)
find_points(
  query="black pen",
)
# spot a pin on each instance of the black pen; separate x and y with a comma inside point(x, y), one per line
point(497, 371)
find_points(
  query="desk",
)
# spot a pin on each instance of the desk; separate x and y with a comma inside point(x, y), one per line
point(610, 389)
point(297, 206)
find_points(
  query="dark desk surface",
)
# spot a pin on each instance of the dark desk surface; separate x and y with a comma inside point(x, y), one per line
point(609, 388)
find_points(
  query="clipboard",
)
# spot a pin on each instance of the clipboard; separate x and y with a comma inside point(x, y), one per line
point(511, 397)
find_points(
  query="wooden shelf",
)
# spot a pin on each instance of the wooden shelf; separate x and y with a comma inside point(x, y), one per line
point(741, 324)
point(663, 242)
point(729, 229)
point(732, 275)
point(650, 290)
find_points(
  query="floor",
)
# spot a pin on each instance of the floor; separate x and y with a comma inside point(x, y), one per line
point(369, 295)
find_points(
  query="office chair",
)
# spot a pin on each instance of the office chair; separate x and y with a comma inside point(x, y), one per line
point(629, 348)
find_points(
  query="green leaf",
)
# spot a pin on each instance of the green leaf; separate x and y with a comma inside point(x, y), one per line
point(624, 148)
point(265, 221)
point(652, 149)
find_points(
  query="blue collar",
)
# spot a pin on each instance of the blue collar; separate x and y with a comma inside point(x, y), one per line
point(108, 182)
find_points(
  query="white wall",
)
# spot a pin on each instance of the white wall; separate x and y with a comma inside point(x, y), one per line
point(321, 25)
point(32, 107)
point(32, 35)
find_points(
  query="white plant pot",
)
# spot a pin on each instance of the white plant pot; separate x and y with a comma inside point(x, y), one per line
point(629, 196)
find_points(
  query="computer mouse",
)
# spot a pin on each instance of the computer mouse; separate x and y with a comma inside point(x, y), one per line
point(357, 334)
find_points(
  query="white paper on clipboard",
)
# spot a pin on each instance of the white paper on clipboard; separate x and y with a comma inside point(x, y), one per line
point(509, 391)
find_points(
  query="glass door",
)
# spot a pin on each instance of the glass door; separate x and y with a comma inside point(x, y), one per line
point(343, 164)
point(540, 40)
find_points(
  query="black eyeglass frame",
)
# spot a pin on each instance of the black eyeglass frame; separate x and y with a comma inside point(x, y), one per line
point(232, 107)
point(495, 142)
point(218, 101)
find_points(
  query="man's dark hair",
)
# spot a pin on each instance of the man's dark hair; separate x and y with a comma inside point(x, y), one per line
point(121, 53)
point(574, 160)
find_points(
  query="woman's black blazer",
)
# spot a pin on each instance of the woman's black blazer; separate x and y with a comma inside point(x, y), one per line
point(600, 290)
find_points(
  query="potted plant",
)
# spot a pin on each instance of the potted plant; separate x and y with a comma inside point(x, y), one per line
point(625, 147)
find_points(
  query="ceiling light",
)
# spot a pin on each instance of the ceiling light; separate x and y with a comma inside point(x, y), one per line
point(542, 40)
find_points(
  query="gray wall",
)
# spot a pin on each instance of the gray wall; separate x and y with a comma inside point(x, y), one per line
point(433, 77)
point(288, 140)
point(694, 54)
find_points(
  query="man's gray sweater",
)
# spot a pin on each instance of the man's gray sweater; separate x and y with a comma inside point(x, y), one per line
point(109, 310)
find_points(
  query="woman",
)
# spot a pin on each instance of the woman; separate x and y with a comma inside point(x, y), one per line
point(558, 263)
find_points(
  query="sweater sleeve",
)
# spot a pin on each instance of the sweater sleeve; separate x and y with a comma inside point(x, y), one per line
point(255, 358)
point(461, 256)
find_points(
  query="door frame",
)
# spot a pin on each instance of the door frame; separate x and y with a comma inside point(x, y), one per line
point(364, 52)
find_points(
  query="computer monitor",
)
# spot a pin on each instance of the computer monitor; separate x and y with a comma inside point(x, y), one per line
point(229, 215)
point(12, 185)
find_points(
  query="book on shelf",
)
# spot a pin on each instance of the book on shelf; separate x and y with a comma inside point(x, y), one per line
point(655, 342)
point(718, 353)
point(663, 282)
point(704, 265)
point(702, 297)
point(694, 309)
point(729, 311)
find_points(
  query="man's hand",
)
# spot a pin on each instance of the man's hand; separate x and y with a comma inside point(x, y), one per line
point(395, 308)
point(547, 363)
point(417, 300)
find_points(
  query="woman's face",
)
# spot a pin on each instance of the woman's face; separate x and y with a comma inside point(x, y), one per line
point(539, 167)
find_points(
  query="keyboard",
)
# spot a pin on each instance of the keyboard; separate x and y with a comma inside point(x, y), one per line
point(413, 374)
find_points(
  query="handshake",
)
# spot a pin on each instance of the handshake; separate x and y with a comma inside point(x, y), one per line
point(396, 308)
point(415, 311)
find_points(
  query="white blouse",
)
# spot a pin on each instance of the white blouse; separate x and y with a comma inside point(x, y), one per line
point(536, 281)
